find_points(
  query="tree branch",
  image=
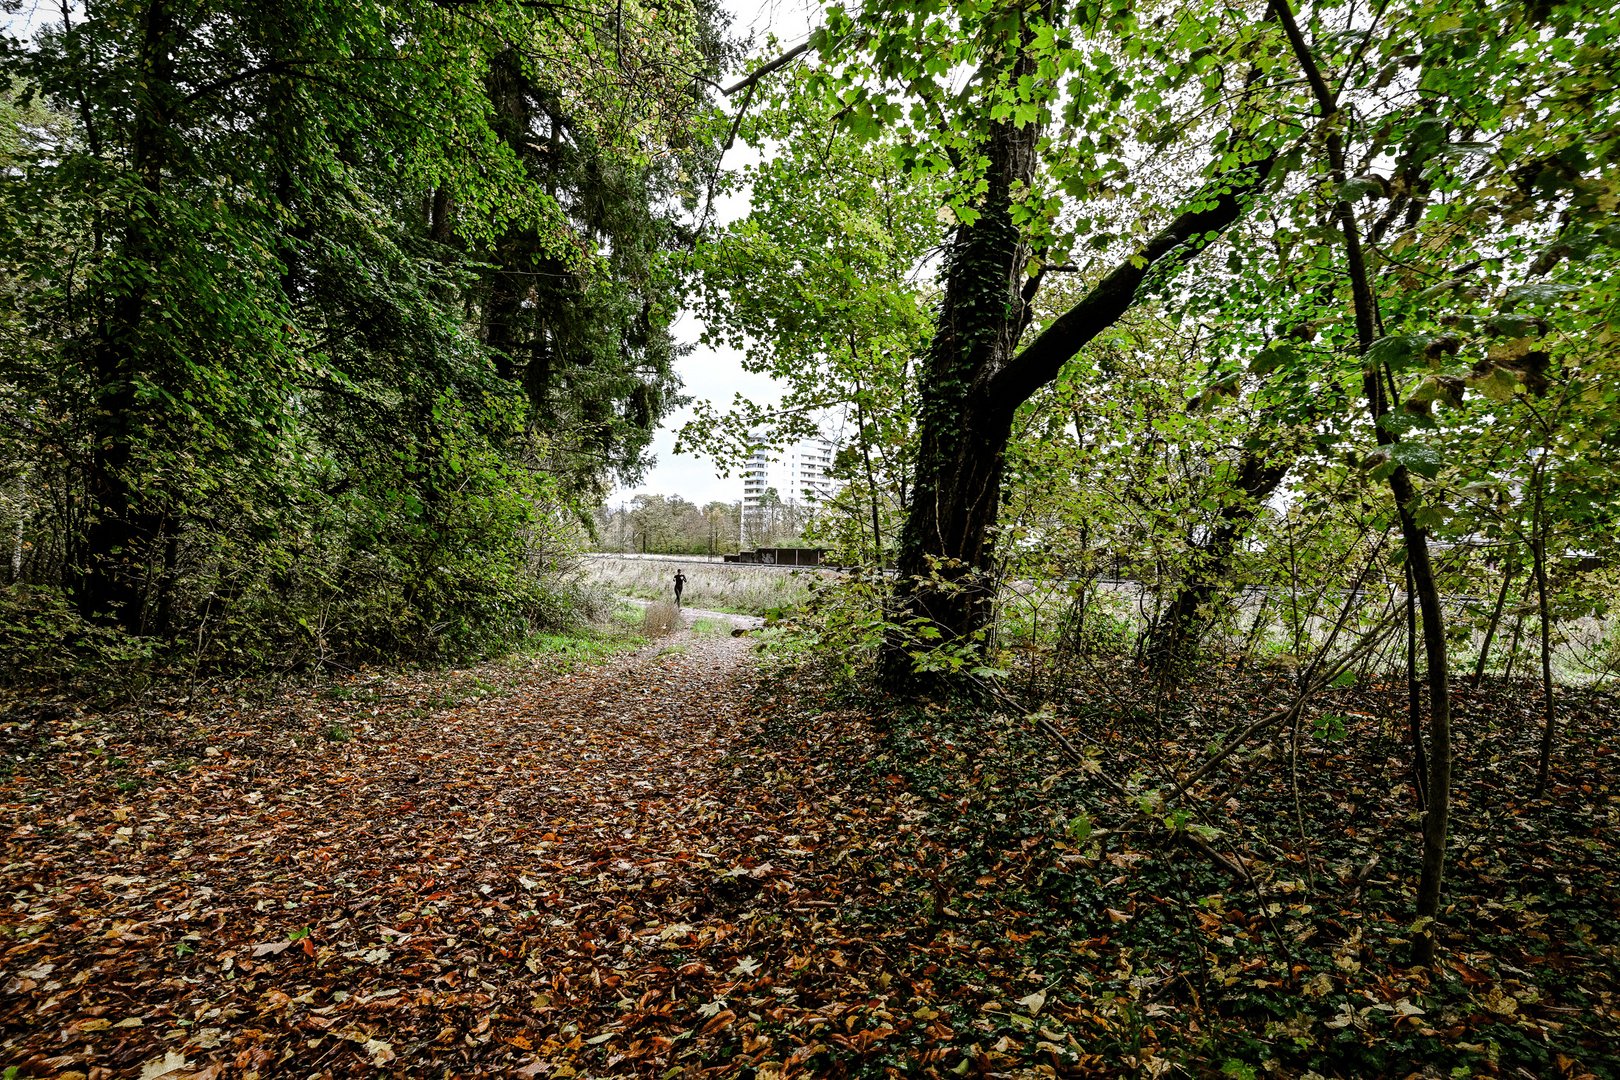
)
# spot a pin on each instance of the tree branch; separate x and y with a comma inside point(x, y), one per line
point(766, 69)
point(714, 174)
point(272, 68)
point(1039, 362)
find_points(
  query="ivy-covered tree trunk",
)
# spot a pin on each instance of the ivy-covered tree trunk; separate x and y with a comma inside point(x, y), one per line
point(945, 548)
point(974, 378)
point(1184, 619)
point(124, 520)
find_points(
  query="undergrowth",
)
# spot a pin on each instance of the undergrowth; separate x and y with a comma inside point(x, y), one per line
point(1263, 926)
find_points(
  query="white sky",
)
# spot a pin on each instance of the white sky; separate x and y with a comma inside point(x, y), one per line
point(21, 24)
point(715, 375)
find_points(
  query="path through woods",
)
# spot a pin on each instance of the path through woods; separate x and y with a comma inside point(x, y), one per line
point(497, 872)
point(662, 865)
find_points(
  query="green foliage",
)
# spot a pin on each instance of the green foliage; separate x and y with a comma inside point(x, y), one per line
point(308, 355)
point(819, 285)
point(565, 650)
point(840, 629)
point(45, 637)
point(846, 624)
point(1328, 727)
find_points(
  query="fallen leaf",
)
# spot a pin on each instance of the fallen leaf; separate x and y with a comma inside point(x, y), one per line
point(171, 1062)
point(1034, 1002)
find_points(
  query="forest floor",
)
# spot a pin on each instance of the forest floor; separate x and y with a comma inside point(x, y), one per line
point(664, 864)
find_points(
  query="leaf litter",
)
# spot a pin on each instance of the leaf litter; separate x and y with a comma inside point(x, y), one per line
point(603, 873)
point(670, 865)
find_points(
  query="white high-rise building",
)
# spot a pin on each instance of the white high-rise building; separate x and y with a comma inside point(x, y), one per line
point(786, 485)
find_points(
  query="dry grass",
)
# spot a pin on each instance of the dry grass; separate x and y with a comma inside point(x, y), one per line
point(660, 618)
point(733, 587)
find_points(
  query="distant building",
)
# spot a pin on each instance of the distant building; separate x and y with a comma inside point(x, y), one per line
point(782, 488)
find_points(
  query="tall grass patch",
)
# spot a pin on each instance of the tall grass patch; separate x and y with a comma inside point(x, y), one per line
point(730, 587)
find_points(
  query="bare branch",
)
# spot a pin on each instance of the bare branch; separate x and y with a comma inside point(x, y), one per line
point(767, 69)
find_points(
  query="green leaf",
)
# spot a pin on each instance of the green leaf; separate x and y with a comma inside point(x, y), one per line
point(1273, 357)
point(1446, 389)
point(1498, 384)
point(1329, 727)
point(1545, 292)
point(1398, 350)
point(1360, 187)
point(1420, 458)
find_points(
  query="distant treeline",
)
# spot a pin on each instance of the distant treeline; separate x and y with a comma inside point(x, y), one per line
point(670, 525)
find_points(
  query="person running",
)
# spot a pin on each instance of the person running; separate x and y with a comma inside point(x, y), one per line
point(680, 583)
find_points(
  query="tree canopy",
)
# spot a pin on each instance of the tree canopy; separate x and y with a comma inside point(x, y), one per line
point(322, 319)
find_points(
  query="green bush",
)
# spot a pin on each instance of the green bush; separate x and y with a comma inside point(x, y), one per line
point(358, 567)
point(44, 641)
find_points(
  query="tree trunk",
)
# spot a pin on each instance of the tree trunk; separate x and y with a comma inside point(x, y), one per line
point(1538, 552)
point(1414, 697)
point(1518, 629)
point(1436, 818)
point(1437, 812)
point(866, 462)
point(165, 580)
point(22, 522)
point(1490, 628)
point(1186, 616)
point(1252, 639)
point(110, 585)
point(944, 562)
point(1076, 631)
point(440, 223)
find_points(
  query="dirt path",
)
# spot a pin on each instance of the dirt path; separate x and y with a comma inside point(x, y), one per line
point(663, 866)
point(691, 614)
point(528, 875)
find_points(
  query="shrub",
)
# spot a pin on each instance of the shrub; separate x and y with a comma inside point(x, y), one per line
point(660, 618)
point(44, 640)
